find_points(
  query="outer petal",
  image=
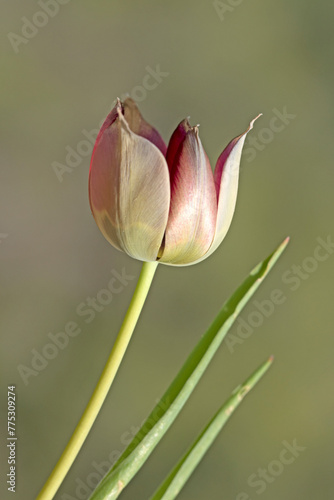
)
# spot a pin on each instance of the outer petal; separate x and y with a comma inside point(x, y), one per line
point(193, 210)
point(226, 178)
point(139, 126)
point(129, 189)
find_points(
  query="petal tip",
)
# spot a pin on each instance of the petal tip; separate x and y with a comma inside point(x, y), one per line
point(253, 121)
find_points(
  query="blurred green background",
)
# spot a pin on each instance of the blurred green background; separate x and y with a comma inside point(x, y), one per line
point(222, 63)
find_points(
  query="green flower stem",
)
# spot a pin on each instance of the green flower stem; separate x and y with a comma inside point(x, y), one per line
point(101, 390)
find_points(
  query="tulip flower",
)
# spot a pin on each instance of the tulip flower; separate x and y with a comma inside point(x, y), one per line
point(159, 203)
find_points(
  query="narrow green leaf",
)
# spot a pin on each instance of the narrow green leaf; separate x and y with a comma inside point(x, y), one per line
point(171, 403)
point(177, 478)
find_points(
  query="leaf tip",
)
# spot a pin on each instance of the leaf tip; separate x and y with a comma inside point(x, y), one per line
point(284, 243)
point(277, 253)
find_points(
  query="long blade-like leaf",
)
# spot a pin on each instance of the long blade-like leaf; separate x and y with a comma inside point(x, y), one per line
point(171, 403)
point(177, 478)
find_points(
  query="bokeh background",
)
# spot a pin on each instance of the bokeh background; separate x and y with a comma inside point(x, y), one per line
point(222, 63)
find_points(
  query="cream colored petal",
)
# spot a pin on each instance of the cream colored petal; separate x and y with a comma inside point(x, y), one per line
point(226, 177)
point(129, 191)
point(193, 209)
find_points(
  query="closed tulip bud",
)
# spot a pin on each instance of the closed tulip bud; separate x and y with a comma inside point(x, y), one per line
point(157, 203)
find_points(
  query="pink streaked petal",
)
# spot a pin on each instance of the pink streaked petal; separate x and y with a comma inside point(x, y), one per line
point(178, 136)
point(220, 165)
point(226, 177)
point(129, 190)
point(141, 127)
point(193, 209)
point(112, 116)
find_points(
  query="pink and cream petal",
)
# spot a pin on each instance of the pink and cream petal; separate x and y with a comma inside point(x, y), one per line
point(129, 190)
point(226, 177)
point(193, 209)
point(141, 127)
